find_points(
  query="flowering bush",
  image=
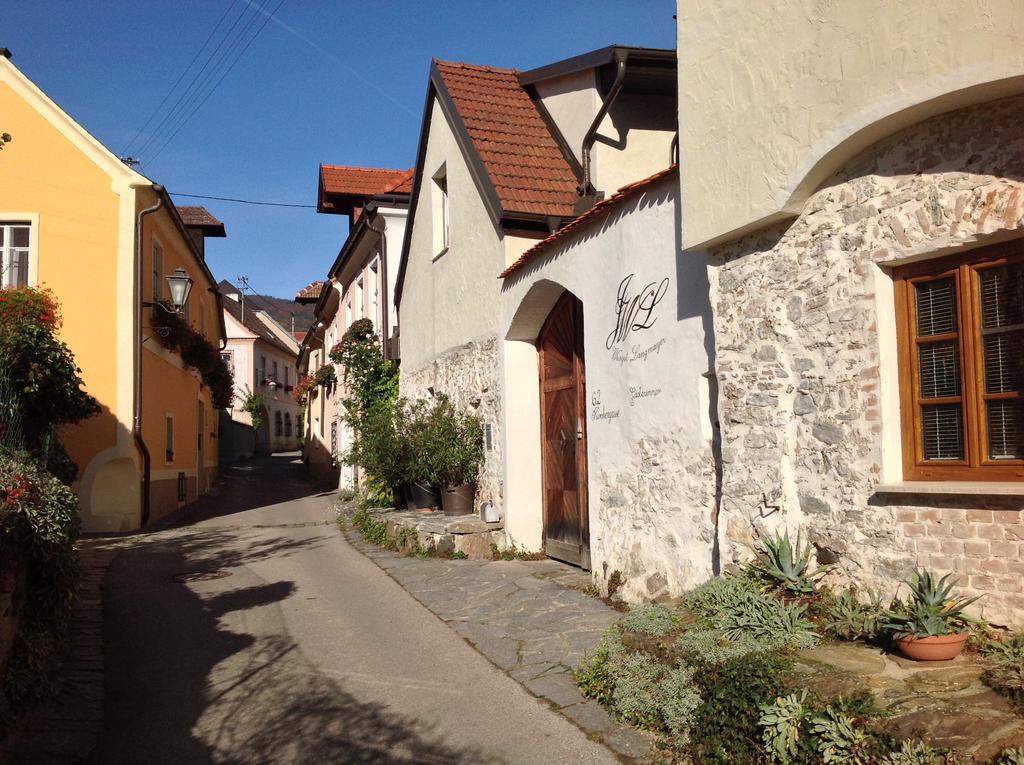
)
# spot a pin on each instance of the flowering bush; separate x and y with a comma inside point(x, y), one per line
point(301, 391)
point(197, 353)
point(38, 525)
point(41, 376)
point(325, 375)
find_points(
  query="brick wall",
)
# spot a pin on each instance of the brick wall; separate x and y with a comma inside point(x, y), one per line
point(981, 547)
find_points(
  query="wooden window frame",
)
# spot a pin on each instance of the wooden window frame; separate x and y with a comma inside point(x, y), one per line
point(965, 269)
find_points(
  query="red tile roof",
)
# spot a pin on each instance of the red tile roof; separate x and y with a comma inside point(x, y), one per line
point(526, 167)
point(310, 293)
point(197, 216)
point(599, 210)
point(364, 181)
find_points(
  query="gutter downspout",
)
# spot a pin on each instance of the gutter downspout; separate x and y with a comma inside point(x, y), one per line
point(137, 404)
point(586, 187)
point(385, 308)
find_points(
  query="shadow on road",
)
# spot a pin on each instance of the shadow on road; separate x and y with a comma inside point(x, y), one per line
point(182, 687)
point(258, 483)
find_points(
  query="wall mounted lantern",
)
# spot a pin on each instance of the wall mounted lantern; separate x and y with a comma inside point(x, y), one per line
point(180, 285)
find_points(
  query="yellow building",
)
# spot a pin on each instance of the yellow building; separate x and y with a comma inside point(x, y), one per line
point(103, 238)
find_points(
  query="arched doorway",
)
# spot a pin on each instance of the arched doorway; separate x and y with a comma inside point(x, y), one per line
point(566, 531)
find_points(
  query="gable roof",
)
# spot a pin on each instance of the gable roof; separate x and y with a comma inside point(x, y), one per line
point(599, 210)
point(199, 217)
point(342, 187)
point(523, 161)
point(255, 325)
point(310, 293)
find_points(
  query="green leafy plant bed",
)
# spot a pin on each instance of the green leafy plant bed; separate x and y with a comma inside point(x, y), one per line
point(726, 676)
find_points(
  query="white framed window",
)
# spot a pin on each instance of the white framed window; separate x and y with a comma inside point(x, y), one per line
point(228, 357)
point(375, 295)
point(158, 270)
point(15, 254)
point(439, 211)
point(359, 299)
point(348, 313)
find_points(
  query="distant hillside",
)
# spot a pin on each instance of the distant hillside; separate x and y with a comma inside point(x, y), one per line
point(282, 309)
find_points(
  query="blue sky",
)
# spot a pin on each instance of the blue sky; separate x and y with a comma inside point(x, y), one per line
point(335, 82)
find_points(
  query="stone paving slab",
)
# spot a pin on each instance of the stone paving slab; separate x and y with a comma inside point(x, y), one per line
point(945, 702)
point(531, 619)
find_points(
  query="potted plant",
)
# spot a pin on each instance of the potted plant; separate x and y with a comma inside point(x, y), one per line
point(452, 455)
point(423, 493)
point(382, 448)
point(931, 625)
point(784, 565)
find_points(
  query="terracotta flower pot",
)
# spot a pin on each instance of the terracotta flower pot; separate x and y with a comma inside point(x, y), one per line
point(933, 648)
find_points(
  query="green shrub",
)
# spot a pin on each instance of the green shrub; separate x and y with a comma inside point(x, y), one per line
point(713, 647)
point(915, 753)
point(782, 721)
point(768, 620)
point(448, 444)
point(593, 675)
point(719, 594)
point(652, 694)
point(726, 728)
point(636, 677)
point(1012, 756)
point(656, 620)
point(41, 386)
point(39, 518)
point(196, 352)
point(849, 619)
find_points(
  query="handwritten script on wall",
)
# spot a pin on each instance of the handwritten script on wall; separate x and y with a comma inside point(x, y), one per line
point(634, 310)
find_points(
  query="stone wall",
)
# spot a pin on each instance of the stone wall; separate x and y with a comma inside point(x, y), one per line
point(656, 520)
point(802, 371)
point(469, 376)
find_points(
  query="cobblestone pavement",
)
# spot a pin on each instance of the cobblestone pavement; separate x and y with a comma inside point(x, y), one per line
point(529, 618)
point(66, 727)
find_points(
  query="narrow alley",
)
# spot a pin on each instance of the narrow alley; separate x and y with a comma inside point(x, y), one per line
point(264, 636)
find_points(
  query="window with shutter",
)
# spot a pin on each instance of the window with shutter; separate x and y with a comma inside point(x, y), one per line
point(960, 323)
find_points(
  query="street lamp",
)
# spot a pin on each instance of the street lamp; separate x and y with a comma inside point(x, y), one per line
point(180, 285)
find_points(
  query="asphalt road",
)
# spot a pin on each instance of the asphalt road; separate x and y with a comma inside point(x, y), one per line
point(256, 634)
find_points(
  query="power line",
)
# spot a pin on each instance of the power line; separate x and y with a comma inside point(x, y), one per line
point(240, 201)
point(124, 151)
point(186, 93)
point(225, 74)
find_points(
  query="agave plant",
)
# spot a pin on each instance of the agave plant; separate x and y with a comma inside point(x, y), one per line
point(932, 609)
point(784, 563)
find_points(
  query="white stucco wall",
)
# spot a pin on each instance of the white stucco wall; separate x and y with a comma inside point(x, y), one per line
point(649, 451)
point(762, 123)
point(572, 101)
point(634, 140)
point(449, 300)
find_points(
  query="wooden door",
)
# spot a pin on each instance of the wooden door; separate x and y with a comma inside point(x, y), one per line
point(563, 433)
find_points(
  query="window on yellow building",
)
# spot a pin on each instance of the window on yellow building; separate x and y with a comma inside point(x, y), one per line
point(169, 437)
point(158, 270)
point(14, 254)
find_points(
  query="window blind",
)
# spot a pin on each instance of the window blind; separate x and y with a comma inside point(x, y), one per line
point(938, 365)
point(1002, 329)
